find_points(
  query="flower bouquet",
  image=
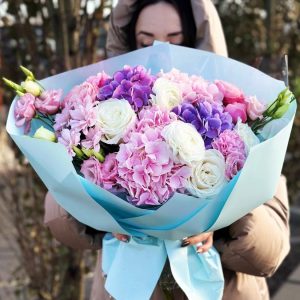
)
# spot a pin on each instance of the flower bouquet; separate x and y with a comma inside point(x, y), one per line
point(160, 144)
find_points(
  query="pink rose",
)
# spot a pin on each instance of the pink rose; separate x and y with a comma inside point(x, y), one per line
point(98, 80)
point(237, 110)
point(234, 163)
point(109, 171)
point(48, 102)
point(231, 93)
point(103, 174)
point(91, 170)
point(24, 111)
point(255, 108)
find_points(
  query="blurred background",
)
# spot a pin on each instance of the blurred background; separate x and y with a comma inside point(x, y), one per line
point(51, 36)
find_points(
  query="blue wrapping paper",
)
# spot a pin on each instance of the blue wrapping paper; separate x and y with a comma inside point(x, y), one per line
point(200, 276)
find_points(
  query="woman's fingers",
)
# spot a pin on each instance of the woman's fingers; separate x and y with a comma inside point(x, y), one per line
point(205, 241)
point(206, 245)
point(121, 237)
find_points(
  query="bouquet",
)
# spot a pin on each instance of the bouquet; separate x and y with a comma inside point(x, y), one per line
point(161, 153)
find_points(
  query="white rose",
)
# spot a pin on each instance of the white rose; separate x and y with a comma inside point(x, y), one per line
point(31, 87)
point(115, 117)
point(247, 135)
point(208, 175)
point(167, 94)
point(185, 141)
point(45, 134)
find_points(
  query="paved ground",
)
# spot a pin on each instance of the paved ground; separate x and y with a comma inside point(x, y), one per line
point(286, 281)
point(290, 290)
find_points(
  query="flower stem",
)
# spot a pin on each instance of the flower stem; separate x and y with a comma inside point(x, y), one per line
point(37, 116)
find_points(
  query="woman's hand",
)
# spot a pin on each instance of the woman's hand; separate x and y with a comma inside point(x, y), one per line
point(122, 237)
point(205, 238)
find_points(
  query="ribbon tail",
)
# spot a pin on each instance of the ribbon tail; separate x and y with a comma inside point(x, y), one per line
point(132, 268)
point(200, 276)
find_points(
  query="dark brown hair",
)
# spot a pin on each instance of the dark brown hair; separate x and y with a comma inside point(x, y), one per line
point(184, 9)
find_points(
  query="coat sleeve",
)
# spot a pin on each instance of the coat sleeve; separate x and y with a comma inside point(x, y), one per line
point(258, 243)
point(209, 35)
point(67, 230)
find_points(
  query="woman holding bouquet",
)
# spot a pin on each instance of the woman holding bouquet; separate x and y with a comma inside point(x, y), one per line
point(248, 253)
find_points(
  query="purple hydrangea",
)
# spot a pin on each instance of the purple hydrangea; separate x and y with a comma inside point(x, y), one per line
point(209, 120)
point(133, 84)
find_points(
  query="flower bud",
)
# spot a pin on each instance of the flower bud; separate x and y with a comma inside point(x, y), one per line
point(20, 93)
point(98, 155)
point(281, 111)
point(284, 97)
point(28, 73)
point(31, 87)
point(87, 152)
point(45, 134)
point(78, 152)
point(13, 85)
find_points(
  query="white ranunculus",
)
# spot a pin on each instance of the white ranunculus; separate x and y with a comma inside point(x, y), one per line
point(247, 135)
point(45, 134)
point(167, 94)
point(208, 175)
point(185, 141)
point(31, 87)
point(115, 117)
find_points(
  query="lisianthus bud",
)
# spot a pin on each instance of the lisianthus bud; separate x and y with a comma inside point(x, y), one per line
point(281, 111)
point(98, 155)
point(78, 152)
point(284, 97)
point(31, 87)
point(45, 134)
point(87, 152)
point(27, 72)
point(13, 85)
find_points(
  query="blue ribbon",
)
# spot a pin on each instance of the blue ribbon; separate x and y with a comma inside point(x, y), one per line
point(133, 269)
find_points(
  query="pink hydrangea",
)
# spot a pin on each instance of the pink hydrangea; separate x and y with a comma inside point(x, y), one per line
point(202, 90)
point(103, 174)
point(82, 117)
point(146, 169)
point(81, 94)
point(230, 92)
point(69, 139)
point(48, 102)
point(76, 107)
point(24, 111)
point(194, 88)
point(154, 117)
point(229, 142)
point(177, 77)
point(92, 139)
point(62, 120)
point(234, 163)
